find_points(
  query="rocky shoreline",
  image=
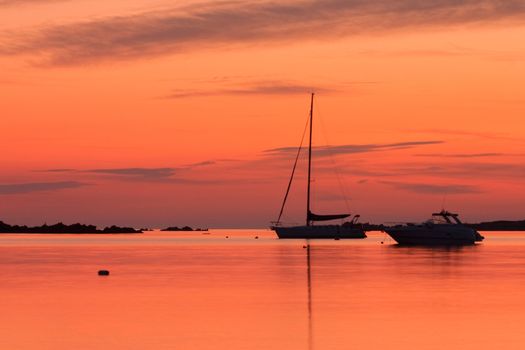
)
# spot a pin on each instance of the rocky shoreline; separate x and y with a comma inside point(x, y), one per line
point(65, 229)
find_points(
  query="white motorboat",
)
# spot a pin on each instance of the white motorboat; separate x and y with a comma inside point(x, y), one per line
point(444, 228)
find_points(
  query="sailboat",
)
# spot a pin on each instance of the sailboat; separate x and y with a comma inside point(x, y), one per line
point(349, 229)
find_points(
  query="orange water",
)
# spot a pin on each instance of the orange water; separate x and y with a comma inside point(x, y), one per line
point(197, 291)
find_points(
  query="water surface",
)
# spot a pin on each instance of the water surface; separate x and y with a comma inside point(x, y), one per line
point(178, 290)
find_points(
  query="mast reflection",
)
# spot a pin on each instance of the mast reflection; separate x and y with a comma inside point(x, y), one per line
point(309, 280)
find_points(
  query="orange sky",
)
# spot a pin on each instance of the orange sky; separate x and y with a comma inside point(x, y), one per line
point(149, 114)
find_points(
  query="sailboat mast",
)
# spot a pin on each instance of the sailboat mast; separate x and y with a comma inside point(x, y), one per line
point(309, 162)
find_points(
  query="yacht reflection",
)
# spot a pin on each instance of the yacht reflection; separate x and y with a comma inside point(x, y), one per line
point(309, 279)
point(444, 248)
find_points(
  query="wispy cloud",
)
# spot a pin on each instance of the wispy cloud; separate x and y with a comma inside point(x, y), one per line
point(458, 170)
point(261, 88)
point(480, 170)
point(468, 133)
point(181, 174)
point(137, 173)
point(433, 188)
point(39, 187)
point(203, 163)
point(184, 175)
point(57, 170)
point(352, 149)
point(218, 24)
point(460, 155)
point(450, 51)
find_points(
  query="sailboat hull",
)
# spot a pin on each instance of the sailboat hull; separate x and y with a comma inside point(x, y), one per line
point(320, 232)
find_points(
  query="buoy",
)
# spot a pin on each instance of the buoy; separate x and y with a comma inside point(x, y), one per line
point(256, 237)
point(382, 242)
point(103, 272)
point(227, 236)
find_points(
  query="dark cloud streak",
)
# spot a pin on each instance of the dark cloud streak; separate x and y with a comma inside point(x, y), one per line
point(39, 187)
point(216, 25)
point(460, 155)
point(433, 188)
point(352, 149)
point(263, 88)
point(57, 170)
point(142, 173)
point(467, 133)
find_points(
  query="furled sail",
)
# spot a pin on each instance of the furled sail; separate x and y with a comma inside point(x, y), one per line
point(316, 217)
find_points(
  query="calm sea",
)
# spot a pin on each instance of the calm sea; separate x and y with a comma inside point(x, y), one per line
point(206, 291)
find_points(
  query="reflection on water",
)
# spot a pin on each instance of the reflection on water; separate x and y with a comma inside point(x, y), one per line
point(194, 291)
point(309, 278)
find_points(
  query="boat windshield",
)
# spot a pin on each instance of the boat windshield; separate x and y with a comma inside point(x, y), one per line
point(438, 220)
point(444, 217)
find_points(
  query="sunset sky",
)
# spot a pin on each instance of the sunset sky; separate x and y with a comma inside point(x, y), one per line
point(156, 113)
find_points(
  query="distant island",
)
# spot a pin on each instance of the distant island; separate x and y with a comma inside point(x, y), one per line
point(62, 228)
point(185, 228)
point(501, 225)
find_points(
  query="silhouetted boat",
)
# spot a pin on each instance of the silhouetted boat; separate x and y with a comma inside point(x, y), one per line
point(350, 229)
point(444, 228)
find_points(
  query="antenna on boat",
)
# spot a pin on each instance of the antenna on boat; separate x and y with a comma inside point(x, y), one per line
point(444, 201)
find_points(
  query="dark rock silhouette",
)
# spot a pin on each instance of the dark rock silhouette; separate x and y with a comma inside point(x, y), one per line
point(185, 228)
point(62, 228)
point(116, 229)
point(500, 225)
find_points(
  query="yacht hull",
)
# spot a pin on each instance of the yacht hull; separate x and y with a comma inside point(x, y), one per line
point(320, 232)
point(434, 235)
